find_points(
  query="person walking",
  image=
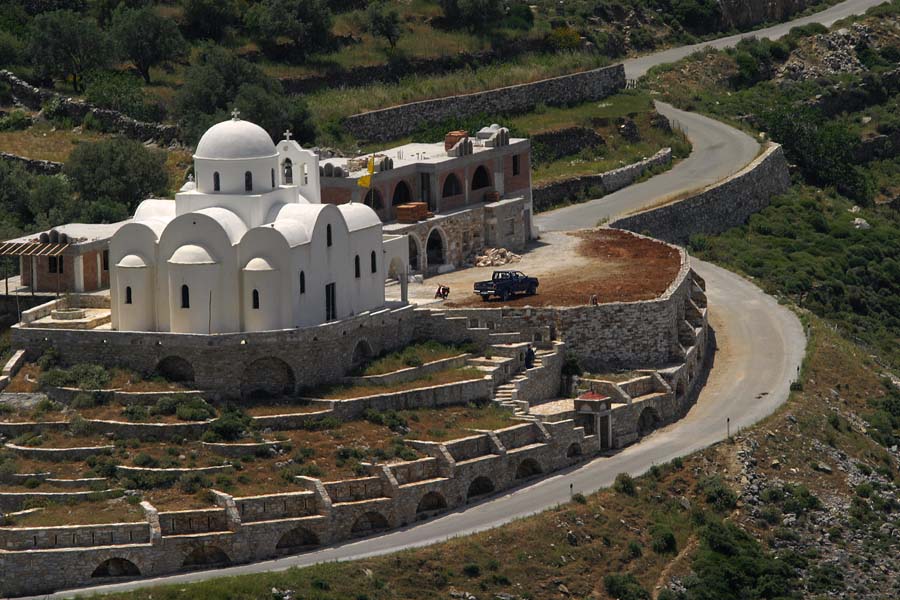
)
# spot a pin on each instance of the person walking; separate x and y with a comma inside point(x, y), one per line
point(529, 357)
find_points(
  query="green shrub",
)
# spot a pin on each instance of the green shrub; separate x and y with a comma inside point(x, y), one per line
point(635, 550)
point(145, 460)
point(135, 412)
point(472, 570)
point(15, 121)
point(579, 498)
point(624, 484)
point(624, 587)
point(717, 494)
point(663, 541)
point(83, 400)
point(390, 419)
point(230, 426)
point(79, 426)
point(83, 375)
point(191, 483)
point(194, 409)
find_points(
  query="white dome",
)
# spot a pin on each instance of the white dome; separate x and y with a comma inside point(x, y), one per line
point(191, 255)
point(132, 261)
point(259, 264)
point(233, 140)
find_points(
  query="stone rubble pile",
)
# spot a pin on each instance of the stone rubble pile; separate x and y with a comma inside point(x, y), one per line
point(829, 54)
point(496, 257)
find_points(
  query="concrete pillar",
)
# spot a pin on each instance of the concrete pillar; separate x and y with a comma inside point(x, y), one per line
point(79, 273)
point(404, 285)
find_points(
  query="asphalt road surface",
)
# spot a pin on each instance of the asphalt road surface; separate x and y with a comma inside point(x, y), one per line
point(760, 348)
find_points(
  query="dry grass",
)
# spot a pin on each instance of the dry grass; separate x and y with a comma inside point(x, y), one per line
point(43, 141)
point(116, 510)
point(440, 425)
point(345, 392)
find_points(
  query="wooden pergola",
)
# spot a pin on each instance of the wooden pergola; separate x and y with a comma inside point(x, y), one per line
point(19, 249)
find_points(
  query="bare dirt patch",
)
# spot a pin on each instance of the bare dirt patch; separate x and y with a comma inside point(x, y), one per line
point(614, 265)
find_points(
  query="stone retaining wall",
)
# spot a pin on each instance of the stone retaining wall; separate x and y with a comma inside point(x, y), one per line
point(110, 120)
point(38, 167)
point(11, 501)
point(553, 145)
point(404, 375)
point(59, 454)
point(548, 195)
point(719, 207)
point(391, 123)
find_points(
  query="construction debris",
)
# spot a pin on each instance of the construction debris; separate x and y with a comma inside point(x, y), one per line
point(496, 257)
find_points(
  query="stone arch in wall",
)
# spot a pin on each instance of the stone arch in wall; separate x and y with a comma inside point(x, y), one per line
point(452, 186)
point(436, 248)
point(175, 368)
point(116, 567)
point(374, 199)
point(481, 178)
point(480, 486)
point(402, 194)
point(648, 421)
point(430, 503)
point(267, 377)
point(415, 253)
point(362, 353)
point(205, 556)
point(298, 539)
point(370, 522)
point(573, 450)
point(528, 468)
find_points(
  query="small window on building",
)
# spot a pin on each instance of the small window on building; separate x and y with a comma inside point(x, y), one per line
point(517, 166)
point(273, 178)
point(51, 264)
point(374, 262)
point(128, 294)
point(256, 299)
point(248, 181)
point(328, 235)
point(217, 185)
point(302, 282)
point(305, 174)
point(185, 297)
point(288, 170)
point(356, 265)
point(106, 260)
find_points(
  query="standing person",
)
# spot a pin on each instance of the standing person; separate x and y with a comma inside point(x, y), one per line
point(529, 357)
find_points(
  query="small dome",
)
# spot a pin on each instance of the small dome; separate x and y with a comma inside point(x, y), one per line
point(132, 261)
point(191, 255)
point(259, 264)
point(235, 139)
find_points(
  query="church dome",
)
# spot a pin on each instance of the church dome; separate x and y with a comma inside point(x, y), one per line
point(190, 254)
point(132, 261)
point(235, 140)
point(259, 264)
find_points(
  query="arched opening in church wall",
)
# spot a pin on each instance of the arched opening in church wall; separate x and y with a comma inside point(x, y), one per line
point(368, 523)
point(414, 264)
point(528, 468)
point(431, 503)
point(297, 540)
point(362, 354)
point(373, 199)
point(116, 567)
point(648, 421)
point(480, 486)
point(287, 171)
point(175, 368)
point(267, 378)
point(402, 194)
point(435, 249)
point(203, 557)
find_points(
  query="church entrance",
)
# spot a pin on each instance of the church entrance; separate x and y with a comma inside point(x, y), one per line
point(330, 302)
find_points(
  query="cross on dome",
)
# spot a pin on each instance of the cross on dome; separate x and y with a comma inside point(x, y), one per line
point(287, 134)
point(235, 114)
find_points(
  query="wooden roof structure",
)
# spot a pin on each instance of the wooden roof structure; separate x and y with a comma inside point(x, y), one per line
point(31, 249)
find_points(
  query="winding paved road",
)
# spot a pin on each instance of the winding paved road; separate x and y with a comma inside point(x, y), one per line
point(760, 348)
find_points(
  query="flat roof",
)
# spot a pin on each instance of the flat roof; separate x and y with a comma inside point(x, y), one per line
point(414, 153)
point(79, 233)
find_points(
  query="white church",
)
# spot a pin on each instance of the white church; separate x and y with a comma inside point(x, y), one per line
point(248, 245)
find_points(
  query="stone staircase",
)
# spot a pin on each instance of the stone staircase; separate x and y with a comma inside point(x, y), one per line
point(506, 395)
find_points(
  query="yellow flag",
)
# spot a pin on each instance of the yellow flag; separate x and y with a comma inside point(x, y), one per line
point(366, 180)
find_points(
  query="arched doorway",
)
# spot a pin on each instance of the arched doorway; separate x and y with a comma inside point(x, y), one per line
point(267, 377)
point(116, 567)
point(481, 178)
point(430, 503)
point(435, 250)
point(528, 468)
point(479, 487)
point(175, 368)
point(362, 353)
point(374, 200)
point(573, 450)
point(297, 540)
point(370, 522)
point(402, 194)
point(414, 253)
point(205, 556)
point(648, 421)
point(287, 171)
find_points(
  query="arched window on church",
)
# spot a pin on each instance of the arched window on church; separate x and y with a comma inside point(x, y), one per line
point(128, 294)
point(256, 299)
point(273, 178)
point(288, 168)
point(248, 181)
point(305, 174)
point(302, 282)
point(185, 297)
point(356, 266)
point(217, 185)
point(374, 262)
point(328, 235)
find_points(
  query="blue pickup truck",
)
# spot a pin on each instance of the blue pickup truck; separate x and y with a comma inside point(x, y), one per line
point(506, 284)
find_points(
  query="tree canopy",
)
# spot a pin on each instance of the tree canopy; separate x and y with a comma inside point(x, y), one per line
point(67, 45)
point(147, 39)
point(290, 29)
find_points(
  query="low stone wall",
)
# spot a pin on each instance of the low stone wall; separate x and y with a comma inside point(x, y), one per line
point(290, 421)
point(125, 471)
point(150, 398)
point(38, 167)
point(719, 207)
point(398, 121)
point(241, 450)
point(548, 195)
point(193, 521)
point(553, 145)
point(110, 120)
point(59, 454)
point(73, 536)
point(404, 375)
point(12, 501)
point(276, 506)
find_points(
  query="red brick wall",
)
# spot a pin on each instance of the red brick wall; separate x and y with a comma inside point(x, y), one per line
point(336, 195)
point(512, 182)
point(90, 272)
point(452, 202)
point(50, 282)
point(476, 196)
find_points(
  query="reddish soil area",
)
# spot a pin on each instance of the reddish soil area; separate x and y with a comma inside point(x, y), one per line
point(615, 265)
